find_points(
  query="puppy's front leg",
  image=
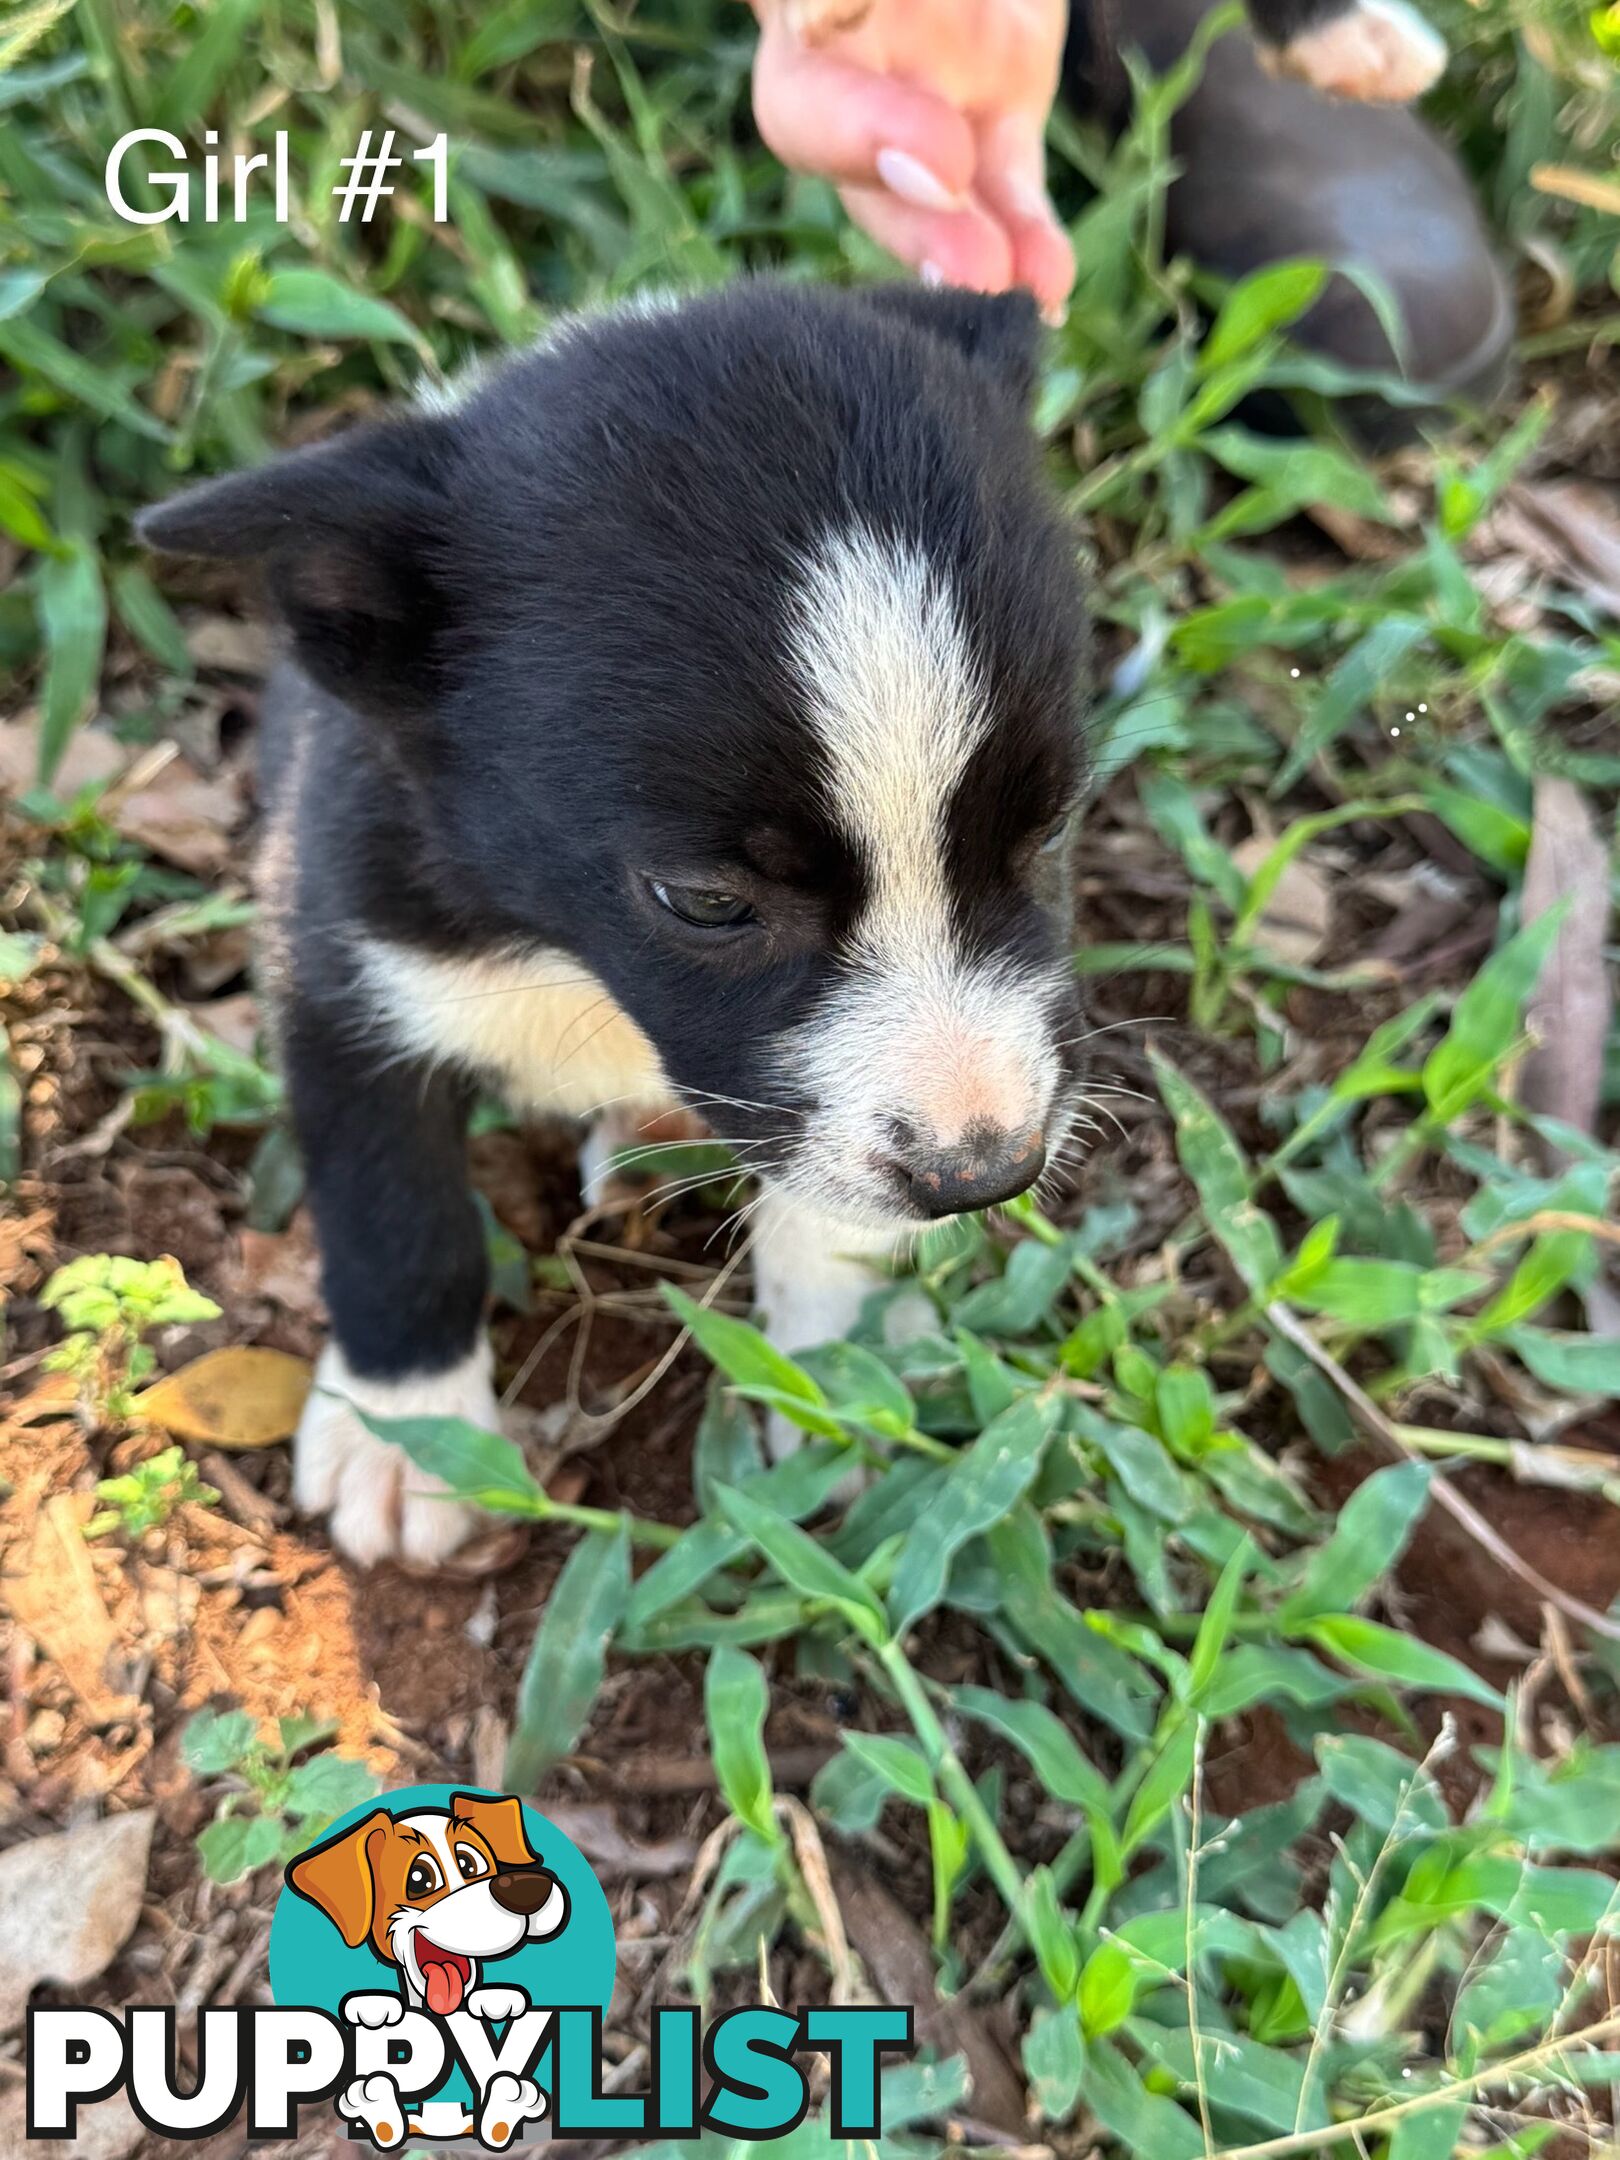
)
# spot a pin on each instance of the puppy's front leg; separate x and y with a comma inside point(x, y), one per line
point(811, 1277)
point(404, 1272)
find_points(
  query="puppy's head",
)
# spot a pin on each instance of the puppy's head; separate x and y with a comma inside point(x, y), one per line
point(435, 1892)
point(737, 649)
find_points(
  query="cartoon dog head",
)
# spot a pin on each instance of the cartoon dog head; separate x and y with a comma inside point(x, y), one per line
point(435, 1892)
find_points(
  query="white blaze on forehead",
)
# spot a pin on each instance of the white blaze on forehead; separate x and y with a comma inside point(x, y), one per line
point(917, 1031)
point(898, 701)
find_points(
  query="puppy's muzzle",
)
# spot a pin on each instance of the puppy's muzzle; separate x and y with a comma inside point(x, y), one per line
point(987, 1166)
point(521, 1890)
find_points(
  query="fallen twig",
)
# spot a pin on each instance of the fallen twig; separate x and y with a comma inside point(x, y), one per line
point(1374, 1423)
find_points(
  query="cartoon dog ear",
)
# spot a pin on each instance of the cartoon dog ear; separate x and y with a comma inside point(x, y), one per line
point(499, 1823)
point(337, 1877)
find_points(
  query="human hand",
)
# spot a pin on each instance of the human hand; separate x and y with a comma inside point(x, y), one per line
point(930, 117)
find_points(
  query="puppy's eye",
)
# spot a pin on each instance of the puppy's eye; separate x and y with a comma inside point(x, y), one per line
point(708, 910)
point(1054, 837)
point(471, 1862)
point(423, 1879)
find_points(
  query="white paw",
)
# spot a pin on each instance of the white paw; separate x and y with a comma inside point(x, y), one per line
point(508, 2103)
point(497, 2004)
point(373, 2011)
point(382, 1507)
point(1381, 51)
point(373, 2102)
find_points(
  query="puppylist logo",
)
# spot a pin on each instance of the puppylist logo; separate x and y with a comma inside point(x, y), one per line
point(441, 1968)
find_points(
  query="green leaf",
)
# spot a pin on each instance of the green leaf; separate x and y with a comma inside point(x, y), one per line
point(1370, 1648)
point(1580, 1364)
point(1216, 1624)
point(1266, 300)
point(21, 516)
point(1168, 1776)
point(1369, 1537)
point(1018, 1300)
point(1107, 1990)
point(314, 303)
point(1099, 1676)
point(215, 1741)
point(483, 1468)
point(1143, 2122)
point(236, 1845)
point(1051, 1933)
point(563, 1675)
point(73, 618)
point(1144, 1470)
point(988, 1480)
point(1054, 2056)
point(31, 349)
point(860, 1386)
point(1486, 1019)
point(735, 1700)
point(1046, 1744)
point(900, 1764)
point(327, 1786)
point(745, 1357)
point(803, 1564)
point(1267, 1672)
point(1380, 1785)
point(146, 615)
point(1264, 2084)
point(1373, 1294)
point(1365, 670)
point(1215, 1163)
point(1186, 1406)
point(798, 1486)
point(1286, 476)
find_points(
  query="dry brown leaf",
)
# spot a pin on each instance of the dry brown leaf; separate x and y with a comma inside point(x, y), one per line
point(232, 1020)
point(106, 2129)
point(229, 646)
point(1568, 529)
point(1298, 912)
point(240, 1397)
point(1574, 184)
point(71, 1901)
point(183, 817)
point(900, 1965)
point(1562, 1076)
point(91, 755)
point(283, 1266)
point(55, 1598)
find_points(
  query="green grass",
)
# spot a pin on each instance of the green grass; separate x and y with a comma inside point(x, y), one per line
point(1183, 1984)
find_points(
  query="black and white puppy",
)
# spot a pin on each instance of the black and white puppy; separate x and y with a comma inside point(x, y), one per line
point(690, 711)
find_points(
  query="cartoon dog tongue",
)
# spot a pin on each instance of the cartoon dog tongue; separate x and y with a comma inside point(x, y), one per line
point(444, 1977)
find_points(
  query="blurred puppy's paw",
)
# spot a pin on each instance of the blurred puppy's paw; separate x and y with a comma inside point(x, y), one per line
point(1380, 51)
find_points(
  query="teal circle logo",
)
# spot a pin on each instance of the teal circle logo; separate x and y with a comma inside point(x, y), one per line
point(438, 1893)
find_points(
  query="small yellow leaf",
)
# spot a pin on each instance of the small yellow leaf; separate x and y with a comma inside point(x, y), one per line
point(1595, 190)
point(235, 1398)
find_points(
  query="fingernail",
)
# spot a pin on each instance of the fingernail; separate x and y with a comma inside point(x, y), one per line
point(911, 180)
point(931, 274)
point(1055, 314)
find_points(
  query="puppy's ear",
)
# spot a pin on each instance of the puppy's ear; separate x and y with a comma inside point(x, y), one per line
point(499, 1823)
point(349, 536)
point(1000, 332)
point(337, 1877)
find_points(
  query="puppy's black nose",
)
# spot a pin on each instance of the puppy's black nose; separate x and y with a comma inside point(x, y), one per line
point(521, 1890)
point(987, 1166)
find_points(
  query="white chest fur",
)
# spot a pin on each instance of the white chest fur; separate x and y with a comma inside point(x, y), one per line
point(537, 1023)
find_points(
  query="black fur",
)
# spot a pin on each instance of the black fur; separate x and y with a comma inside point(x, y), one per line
point(538, 657)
